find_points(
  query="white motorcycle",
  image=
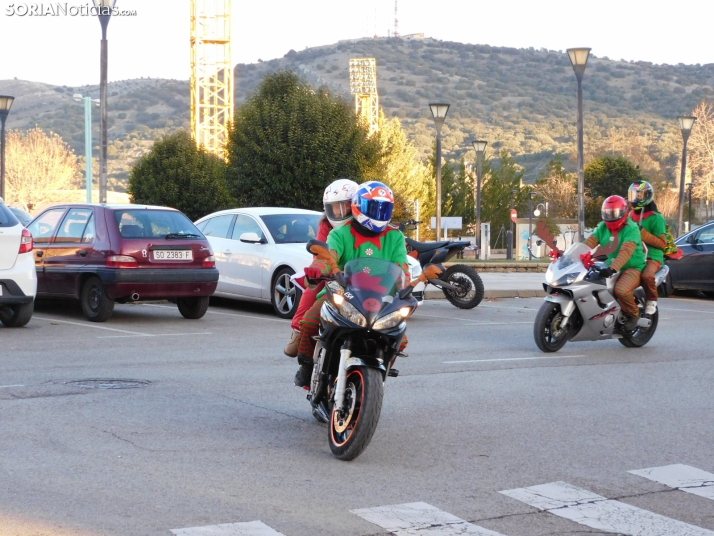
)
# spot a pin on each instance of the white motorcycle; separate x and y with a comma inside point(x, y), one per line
point(580, 305)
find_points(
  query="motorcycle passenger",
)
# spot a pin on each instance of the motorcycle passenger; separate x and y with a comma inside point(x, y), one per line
point(653, 228)
point(367, 234)
point(620, 237)
point(337, 201)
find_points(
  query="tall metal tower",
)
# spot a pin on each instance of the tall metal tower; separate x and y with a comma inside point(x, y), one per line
point(363, 85)
point(396, 20)
point(211, 74)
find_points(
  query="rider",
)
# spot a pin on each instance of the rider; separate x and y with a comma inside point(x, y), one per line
point(620, 239)
point(653, 228)
point(368, 234)
point(337, 201)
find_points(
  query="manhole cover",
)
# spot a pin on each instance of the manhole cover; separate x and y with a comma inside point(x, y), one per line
point(109, 384)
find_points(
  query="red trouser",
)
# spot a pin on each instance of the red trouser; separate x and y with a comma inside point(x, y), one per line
point(648, 279)
point(306, 301)
point(628, 281)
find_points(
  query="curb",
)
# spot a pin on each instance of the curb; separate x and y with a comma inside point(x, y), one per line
point(435, 294)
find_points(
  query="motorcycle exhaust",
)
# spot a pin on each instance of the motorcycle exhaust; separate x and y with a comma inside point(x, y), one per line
point(135, 296)
point(644, 323)
point(442, 284)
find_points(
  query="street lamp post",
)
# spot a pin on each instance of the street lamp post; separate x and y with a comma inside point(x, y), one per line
point(5, 104)
point(479, 147)
point(579, 59)
point(104, 10)
point(531, 195)
point(685, 124)
point(438, 112)
point(509, 233)
point(87, 139)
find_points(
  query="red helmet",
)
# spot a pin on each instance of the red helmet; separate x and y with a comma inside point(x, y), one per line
point(614, 212)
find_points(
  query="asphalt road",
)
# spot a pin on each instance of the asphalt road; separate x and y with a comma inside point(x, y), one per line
point(211, 431)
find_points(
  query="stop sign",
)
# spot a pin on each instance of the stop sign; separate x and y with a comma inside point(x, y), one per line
point(514, 214)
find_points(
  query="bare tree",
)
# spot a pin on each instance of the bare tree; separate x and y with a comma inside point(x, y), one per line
point(700, 152)
point(37, 167)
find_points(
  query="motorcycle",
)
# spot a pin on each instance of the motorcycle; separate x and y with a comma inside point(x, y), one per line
point(362, 324)
point(580, 305)
point(460, 283)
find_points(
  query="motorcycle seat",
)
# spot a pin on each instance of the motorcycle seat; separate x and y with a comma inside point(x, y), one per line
point(421, 247)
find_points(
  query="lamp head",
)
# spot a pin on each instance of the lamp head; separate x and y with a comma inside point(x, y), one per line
point(536, 212)
point(686, 123)
point(77, 96)
point(6, 103)
point(579, 59)
point(532, 193)
point(479, 145)
point(439, 111)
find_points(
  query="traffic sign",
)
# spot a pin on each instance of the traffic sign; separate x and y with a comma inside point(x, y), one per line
point(514, 214)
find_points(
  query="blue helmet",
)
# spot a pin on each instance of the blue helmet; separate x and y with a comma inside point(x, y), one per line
point(372, 205)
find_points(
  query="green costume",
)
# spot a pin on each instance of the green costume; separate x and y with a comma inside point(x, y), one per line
point(629, 233)
point(349, 244)
point(655, 224)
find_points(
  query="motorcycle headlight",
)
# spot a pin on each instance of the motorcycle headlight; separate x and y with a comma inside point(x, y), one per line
point(564, 281)
point(349, 311)
point(392, 319)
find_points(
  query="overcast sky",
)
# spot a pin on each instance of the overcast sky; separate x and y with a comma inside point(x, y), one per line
point(64, 50)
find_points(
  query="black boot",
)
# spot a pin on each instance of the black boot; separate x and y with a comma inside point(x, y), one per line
point(631, 323)
point(304, 373)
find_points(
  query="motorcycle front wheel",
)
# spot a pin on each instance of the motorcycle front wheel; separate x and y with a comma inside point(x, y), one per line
point(351, 430)
point(469, 287)
point(548, 334)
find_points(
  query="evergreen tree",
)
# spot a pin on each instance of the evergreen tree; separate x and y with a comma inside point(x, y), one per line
point(497, 194)
point(606, 176)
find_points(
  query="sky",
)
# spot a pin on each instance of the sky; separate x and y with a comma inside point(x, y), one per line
point(65, 50)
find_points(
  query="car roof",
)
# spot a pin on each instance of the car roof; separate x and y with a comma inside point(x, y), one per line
point(264, 211)
point(118, 206)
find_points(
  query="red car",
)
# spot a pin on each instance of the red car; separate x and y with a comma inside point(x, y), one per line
point(100, 254)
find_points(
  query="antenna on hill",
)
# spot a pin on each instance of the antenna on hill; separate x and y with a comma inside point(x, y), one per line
point(396, 20)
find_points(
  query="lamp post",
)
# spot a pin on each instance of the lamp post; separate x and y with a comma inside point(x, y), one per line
point(104, 11)
point(685, 124)
point(579, 59)
point(509, 233)
point(479, 147)
point(87, 139)
point(5, 104)
point(438, 113)
point(531, 195)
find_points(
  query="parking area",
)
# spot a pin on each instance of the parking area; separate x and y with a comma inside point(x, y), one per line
point(150, 423)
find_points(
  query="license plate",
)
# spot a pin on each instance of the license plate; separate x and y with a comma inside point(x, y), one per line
point(173, 255)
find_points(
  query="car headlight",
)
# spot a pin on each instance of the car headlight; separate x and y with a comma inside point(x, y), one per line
point(564, 281)
point(392, 319)
point(349, 311)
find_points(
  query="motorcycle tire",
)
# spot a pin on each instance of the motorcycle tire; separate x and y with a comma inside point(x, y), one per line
point(640, 336)
point(349, 436)
point(470, 285)
point(546, 337)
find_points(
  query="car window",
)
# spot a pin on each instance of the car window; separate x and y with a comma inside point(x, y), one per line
point(72, 228)
point(43, 227)
point(218, 226)
point(7, 218)
point(246, 224)
point(89, 231)
point(706, 235)
point(147, 223)
point(292, 228)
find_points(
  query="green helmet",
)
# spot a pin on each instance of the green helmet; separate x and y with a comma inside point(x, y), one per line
point(640, 194)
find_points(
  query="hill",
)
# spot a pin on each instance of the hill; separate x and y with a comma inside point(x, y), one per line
point(519, 99)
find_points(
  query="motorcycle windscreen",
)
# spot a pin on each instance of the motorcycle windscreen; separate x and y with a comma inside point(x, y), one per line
point(371, 281)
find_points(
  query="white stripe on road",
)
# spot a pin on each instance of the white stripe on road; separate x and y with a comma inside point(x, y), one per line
point(6, 386)
point(267, 318)
point(474, 322)
point(252, 528)
point(154, 335)
point(681, 477)
point(600, 513)
point(514, 359)
point(86, 325)
point(420, 519)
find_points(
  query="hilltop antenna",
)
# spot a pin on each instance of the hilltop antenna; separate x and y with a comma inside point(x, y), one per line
point(396, 20)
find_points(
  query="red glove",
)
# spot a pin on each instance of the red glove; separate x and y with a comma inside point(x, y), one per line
point(313, 274)
point(555, 254)
point(587, 259)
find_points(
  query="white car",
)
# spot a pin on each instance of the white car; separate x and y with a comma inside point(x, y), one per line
point(18, 279)
point(257, 250)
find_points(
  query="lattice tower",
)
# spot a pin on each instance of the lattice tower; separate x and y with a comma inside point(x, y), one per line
point(211, 74)
point(363, 85)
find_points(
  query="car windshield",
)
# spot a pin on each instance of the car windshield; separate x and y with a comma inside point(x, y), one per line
point(147, 223)
point(292, 228)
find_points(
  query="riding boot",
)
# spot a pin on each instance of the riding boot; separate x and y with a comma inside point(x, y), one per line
point(631, 322)
point(291, 350)
point(304, 373)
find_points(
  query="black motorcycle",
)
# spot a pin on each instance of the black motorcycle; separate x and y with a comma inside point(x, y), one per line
point(460, 283)
point(362, 324)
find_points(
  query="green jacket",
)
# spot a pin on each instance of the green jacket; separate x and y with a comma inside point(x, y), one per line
point(629, 233)
point(655, 224)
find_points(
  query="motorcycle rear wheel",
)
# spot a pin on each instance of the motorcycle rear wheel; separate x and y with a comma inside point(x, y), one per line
point(469, 283)
point(641, 336)
point(349, 434)
point(548, 337)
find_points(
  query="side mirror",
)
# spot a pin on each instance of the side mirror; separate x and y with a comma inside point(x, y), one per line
point(691, 239)
point(251, 238)
point(405, 292)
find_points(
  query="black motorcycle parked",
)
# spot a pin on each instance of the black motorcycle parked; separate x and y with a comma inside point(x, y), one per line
point(362, 324)
point(460, 283)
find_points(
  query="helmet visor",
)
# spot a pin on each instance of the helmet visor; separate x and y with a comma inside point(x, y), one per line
point(613, 213)
point(338, 211)
point(376, 209)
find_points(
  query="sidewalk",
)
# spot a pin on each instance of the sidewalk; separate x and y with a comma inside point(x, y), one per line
point(503, 285)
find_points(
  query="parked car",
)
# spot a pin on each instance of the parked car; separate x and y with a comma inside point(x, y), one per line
point(258, 249)
point(22, 215)
point(18, 281)
point(102, 254)
point(695, 270)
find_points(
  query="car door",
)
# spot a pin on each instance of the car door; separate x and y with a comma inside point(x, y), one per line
point(67, 254)
point(43, 229)
point(695, 270)
point(245, 267)
point(216, 230)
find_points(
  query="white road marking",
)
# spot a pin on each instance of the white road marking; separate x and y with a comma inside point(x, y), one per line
point(514, 359)
point(681, 477)
point(153, 335)
point(600, 513)
point(6, 386)
point(267, 318)
point(86, 325)
point(474, 322)
point(414, 519)
point(252, 528)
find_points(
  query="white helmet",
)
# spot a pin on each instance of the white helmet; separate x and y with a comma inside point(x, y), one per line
point(338, 201)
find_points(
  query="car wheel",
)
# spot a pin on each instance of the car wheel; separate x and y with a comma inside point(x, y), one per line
point(15, 316)
point(193, 308)
point(708, 293)
point(96, 305)
point(285, 295)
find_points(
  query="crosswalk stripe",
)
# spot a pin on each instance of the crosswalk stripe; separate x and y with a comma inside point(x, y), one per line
point(597, 512)
point(681, 477)
point(252, 528)
point(414, 519)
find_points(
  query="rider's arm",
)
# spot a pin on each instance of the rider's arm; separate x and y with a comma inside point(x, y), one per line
point(626, 251)
point(655, 233)
point(652, 240)
point(399, 253)
point(592, 241)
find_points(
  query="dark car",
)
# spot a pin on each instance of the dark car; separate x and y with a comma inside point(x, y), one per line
point(24, 217)
point(100, 254)
point(695, 270)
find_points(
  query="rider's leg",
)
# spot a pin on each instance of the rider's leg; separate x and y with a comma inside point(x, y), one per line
point(649, 285)
point(309, 328)
point(628, 281)
point(306, 301)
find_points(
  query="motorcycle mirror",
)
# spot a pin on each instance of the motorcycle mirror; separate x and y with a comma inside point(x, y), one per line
point(340, 278)
point(405, 292)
